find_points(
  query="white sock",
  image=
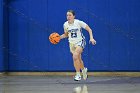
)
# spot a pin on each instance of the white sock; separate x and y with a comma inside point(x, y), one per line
point(78, 73)
point(83, 69)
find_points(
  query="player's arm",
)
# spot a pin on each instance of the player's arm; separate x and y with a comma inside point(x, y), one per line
point(65, 35)
point(86, 27)
point(92, 40)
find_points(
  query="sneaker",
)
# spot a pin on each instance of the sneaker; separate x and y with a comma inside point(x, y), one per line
point(77, 78)
point(84, 71)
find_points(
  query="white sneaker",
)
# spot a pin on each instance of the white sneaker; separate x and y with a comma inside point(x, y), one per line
point(77, 78)
point(84, 71)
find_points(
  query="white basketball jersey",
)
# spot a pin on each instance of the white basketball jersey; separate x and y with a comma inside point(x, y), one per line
point(75, 30)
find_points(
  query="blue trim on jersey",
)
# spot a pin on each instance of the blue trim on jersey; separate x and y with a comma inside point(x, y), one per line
point(82, 34)
point(83, 44)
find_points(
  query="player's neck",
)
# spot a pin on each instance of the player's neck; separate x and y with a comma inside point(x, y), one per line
point(71, 22)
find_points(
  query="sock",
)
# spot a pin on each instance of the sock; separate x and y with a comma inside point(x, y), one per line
point(83, 69)
point(78, 73)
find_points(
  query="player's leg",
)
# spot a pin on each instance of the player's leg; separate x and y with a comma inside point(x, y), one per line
point(81, 63)
point(77, 62)
point(76, 65)
point(84, 69)
point(82, 44)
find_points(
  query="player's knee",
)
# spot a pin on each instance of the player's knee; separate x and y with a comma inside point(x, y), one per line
point(75, 56)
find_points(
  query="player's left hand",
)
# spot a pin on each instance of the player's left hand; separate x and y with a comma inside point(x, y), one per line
point(92, 41)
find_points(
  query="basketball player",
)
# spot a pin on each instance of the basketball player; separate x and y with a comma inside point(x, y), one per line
point(73, 30)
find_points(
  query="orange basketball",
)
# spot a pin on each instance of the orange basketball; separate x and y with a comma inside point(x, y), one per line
point(54, 38)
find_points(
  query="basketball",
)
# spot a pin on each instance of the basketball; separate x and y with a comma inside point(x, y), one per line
point(54, 38)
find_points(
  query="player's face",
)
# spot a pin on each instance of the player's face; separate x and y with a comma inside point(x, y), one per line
point(70, 16)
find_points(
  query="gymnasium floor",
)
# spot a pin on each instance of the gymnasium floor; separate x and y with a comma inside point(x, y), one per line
point(59, 84)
